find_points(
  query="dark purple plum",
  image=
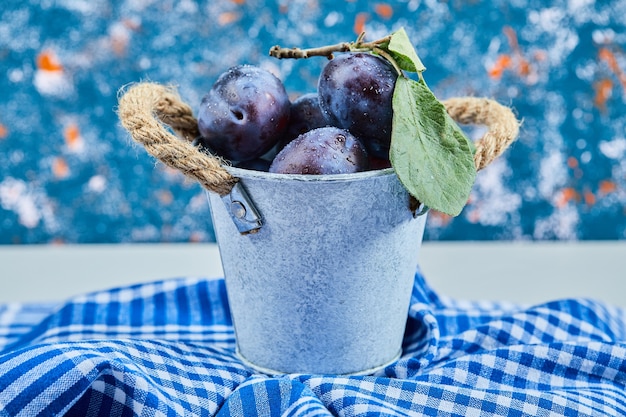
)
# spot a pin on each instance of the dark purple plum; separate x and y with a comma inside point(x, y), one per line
point(355, 91)
point(306, 114)
point(379, 163)
point(257, 164)
point(244, 114)
point(325, 150)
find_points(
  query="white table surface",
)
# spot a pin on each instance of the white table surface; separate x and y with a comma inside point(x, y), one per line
point(529, 272)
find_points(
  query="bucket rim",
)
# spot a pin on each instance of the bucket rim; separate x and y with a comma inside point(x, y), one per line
point(269, 176)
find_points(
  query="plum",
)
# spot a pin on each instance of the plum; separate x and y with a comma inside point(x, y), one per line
point(356, 91)
point(244, 114)
point(325, 150)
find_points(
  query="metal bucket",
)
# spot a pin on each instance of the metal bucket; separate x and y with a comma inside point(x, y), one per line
point(324, 285)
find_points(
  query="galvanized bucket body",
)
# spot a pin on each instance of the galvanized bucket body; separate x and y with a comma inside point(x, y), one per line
point(325, 284)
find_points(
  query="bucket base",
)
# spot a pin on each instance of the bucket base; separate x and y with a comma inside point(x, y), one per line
point(268, 371)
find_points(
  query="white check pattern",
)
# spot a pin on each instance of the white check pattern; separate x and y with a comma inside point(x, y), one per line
point(167, 349)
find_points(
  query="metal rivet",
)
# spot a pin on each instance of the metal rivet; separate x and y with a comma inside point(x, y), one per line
point(238, 209)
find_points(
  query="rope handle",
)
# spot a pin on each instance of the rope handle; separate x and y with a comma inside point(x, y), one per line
point(145, 109)
point(502, 125)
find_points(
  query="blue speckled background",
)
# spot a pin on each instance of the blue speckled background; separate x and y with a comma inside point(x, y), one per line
point(69, 173)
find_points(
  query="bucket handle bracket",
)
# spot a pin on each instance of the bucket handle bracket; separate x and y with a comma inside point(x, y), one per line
point(242, 211)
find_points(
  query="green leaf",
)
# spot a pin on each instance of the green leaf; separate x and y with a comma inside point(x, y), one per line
point(430, 154)
point(401, 49)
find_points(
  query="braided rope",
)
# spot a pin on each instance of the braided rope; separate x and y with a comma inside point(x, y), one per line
point(500, 120)
point(144, 109)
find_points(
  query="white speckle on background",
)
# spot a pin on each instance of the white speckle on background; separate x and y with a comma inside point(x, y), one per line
point(187, 6)
point(552, 174)
point(575, 6)
point(16, 75)
point(561, 224)
point(548, 20)
point(97, 183)
point(52, 83)
point(494, 201)
point(145, 234)
point(585, 157)
point(614, 149)
point(15, 196)
point(553, 21)
point(332, 19)
point(603, 36)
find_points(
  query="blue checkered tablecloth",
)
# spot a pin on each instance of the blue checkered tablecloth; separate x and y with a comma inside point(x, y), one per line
point(167, 349)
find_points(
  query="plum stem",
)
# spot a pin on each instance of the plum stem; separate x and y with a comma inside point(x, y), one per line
point(359, 45)
point(389, 58)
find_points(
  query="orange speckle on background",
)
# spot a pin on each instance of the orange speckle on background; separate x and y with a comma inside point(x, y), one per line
point(384, 10)
point(502, 63)
point(511, 36)
point(132, 24)
point(566, 195)
point(603, 89)
point(4, 131)
point(473, 216)
point(439, 218)
point(607, 187)
point(523, 67)
point(119, 43)
point(239, 1)
point(227, 17)
point(120, 35)
point(605, 54)
point(60, 169)
point(516, 60)
point(572, 162)
point(540, 55)
point(165, 197)
point(196, 237)
point(589, 197)
point(359, 22)
point(72, 136)
point(48, 61)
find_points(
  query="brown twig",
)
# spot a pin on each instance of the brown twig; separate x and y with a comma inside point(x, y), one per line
point(279, 52)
